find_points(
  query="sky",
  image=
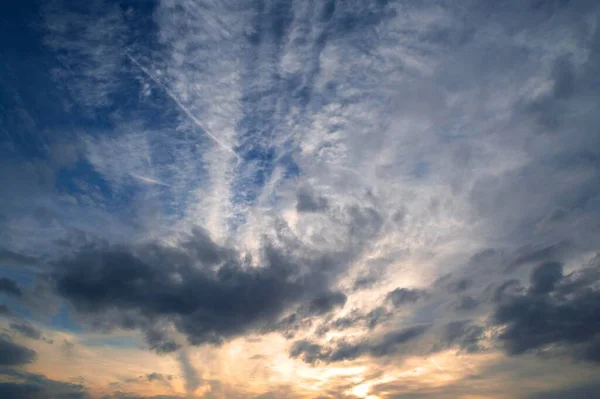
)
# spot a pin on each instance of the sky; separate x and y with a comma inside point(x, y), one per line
point(299, 199)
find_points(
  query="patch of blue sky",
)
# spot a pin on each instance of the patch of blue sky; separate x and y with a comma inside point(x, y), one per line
point(63, 321)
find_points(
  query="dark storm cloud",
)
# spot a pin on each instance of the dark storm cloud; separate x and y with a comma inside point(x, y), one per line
point(312, 353)
point(545, 277)
point(556, 312)
point(23, 385)
point(5, 310)
point(13, 354)
point(10, 287)
point(202, 288)
point(403, 296)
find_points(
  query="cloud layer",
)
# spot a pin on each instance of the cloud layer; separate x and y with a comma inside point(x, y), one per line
point(282, 198)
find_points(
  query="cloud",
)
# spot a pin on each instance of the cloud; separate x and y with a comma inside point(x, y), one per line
point(463, 334)
point(14, 258)
point(545, 277)
point(89, 42)
point(13, 354)
point(159, 341)
point(10, 287)
point(189, 374)
point(579, 391)
point(5, 310)
point(402, 296)
point(378, 146)
point(386, 345)
point(159, 377)
point(123, 395)
point(356, 319)
point(306, 201)
point(27, 330)
point(23, 385)
point(326, 303)
point(557, 311)
point(204, 289)
point(467, 303)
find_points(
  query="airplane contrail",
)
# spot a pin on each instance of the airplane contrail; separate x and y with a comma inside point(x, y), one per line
point(183, 107)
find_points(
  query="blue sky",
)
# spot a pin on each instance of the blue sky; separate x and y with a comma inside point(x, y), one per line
point(278, 198)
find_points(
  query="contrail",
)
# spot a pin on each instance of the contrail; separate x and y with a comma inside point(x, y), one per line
point(149, 180)
point(183, 107)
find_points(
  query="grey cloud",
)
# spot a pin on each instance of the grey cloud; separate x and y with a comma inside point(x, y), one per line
point(127, 395)
point(364, 222)
point(67, 348)
point(189, 374)
point(158, 377)
point(363, 282)
point(307, 201)
point(545, 277)
point(390, 340)
point(389, 344)
point(290, 325)
point(5, 310)
point(357, 318)
point(303, 317)
point(463, 334)
point(203, 289)
point(557, 311)
point(326, 303)
point(529, 255)
point(15, 258)
point(23, 385)
point(308, 351)
point(402, 296)
point(584, 391)
point(10, 287)
point(160, 341)
point(27, 330)
point(460, 285)
point(467, 303)
point(13, 354)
